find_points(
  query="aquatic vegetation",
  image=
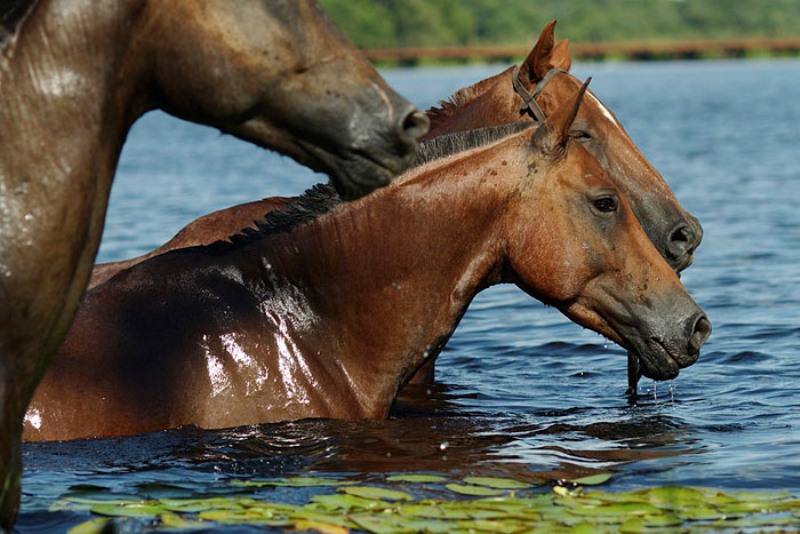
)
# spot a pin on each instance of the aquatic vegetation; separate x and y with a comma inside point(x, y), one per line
point(493, 505)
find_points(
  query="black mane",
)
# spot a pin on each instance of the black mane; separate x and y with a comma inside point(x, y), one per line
point(12, 13)
point(322, 198)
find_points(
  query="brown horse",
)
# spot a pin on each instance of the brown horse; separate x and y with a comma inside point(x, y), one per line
point(496, 101)
point(329, 318)
point(74, 76)
point(540, 85)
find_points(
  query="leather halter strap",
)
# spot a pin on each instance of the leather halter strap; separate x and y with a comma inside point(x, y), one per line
point(529, 104)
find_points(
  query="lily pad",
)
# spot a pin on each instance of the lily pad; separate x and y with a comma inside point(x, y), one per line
point(371, 492)
point(469, 489)
point(346, 502)
point(130, 509)
point(93, 526)
point(593, 480)
point(497, 483)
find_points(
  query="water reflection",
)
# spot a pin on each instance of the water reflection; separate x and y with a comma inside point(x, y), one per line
point(430, 432)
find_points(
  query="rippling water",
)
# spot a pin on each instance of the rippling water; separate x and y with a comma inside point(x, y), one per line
point(520, 390)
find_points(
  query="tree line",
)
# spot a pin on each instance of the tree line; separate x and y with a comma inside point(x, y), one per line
point(419, 23)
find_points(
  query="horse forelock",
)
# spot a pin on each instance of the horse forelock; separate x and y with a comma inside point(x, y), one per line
point(322, 198)
point(12, 13)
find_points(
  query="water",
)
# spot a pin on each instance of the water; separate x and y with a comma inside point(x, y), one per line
point(520, 390)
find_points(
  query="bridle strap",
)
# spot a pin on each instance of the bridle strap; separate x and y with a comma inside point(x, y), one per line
point(529, 104)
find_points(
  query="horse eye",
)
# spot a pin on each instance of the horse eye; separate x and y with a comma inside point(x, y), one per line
point(580, 135)
point(605, 204)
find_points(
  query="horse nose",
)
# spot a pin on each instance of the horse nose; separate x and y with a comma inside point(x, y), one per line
point(700, 330)
point(414, 124)
point(682, 241)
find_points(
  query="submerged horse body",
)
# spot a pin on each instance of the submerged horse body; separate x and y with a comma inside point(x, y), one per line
point(329, 318)
point(74, 76)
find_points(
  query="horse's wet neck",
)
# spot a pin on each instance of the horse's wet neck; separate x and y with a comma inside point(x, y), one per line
point(62, 125)
point(393, 274)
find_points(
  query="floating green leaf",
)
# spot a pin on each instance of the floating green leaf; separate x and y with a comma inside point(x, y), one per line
point(383, 510)
point(345, 502)
point(371, 492)
point(497, 483)
point(320, 526)
point(127, 509)
point(593, 480)
point(469, 489)
point(94, 526)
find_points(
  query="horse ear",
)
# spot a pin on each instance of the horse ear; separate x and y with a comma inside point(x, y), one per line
point(560, 57)
point(552, 136)
point(537, 64)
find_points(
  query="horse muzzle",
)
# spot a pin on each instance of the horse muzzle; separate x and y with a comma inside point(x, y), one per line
point(662, 357)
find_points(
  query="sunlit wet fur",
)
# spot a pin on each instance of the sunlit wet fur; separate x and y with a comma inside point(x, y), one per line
point(330, 318)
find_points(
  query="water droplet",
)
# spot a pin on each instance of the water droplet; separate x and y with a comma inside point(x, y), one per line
point(443, 445)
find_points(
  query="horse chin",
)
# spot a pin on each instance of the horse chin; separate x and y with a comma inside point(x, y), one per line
point(356, 173)
point(656, 362)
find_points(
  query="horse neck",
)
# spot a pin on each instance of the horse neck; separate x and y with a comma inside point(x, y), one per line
point(490, 102)
point(63, 119)
point(396, 272)
point(61, 78)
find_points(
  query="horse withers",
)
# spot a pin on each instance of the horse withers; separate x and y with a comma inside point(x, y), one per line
point(330, 316)
point(74, 76)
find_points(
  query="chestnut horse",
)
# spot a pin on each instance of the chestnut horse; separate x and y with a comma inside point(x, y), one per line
point(74, 76)
point(540, 85)
point(495, 101)
point(330, 317)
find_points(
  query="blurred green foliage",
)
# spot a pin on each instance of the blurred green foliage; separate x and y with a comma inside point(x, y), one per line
point(405, 23)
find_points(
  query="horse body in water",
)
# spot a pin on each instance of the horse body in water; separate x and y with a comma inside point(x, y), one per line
point(539, 86)
point(329, 318)
point(74, 76)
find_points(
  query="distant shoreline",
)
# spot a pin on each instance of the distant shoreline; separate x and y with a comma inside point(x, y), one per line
point(612, 51)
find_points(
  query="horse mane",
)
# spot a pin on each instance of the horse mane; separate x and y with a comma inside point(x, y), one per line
point(12, 13)
point(322, 198)
point(450, 106)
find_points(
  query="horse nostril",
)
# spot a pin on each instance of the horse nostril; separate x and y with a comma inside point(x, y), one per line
point(700, 332)
point(415, 124)
point(682, 241)
point(678, 240)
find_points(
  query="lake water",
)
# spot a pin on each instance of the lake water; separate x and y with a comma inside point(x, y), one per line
point(521, 391)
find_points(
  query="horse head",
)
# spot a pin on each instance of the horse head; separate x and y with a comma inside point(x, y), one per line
point(278, 74)
point(543, 84)
point(543, 79)
point(590, 257)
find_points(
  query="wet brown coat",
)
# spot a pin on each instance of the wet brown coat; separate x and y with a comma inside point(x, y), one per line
point(330, 318)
